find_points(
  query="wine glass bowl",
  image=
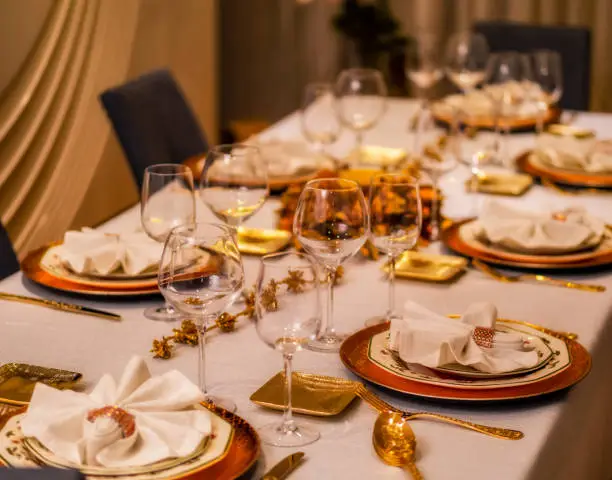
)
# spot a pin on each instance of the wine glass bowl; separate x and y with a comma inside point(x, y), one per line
point(360, 99)
point(167, 201)
point(466, 60)
point(234, 182)
point(331, 223)
point(288, 324)
point(319, 122)
point(547, 75)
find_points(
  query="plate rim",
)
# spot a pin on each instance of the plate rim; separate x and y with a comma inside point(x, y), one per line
point(519, 123)
point(574, 374)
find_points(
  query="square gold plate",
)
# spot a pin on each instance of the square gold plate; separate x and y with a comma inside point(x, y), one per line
point(376, 156)
point(427, 266)
point(308, 397)
point(514, 184)
point(17, 381)
point(257, 241)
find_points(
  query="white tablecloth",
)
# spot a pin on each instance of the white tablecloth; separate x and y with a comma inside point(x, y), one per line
point(566, 436)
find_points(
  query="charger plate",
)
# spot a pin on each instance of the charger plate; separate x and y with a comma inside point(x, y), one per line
point(452, 238)
point(237, 450)
point(354, 355)
point(526, 163)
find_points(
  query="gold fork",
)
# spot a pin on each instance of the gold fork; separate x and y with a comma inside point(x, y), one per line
point(381, 406)
point(497, 275)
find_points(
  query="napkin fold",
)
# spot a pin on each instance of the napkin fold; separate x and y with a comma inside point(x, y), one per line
point(139, 421)
point(92, 252)
point(573, 154)
point(569, 230)
point(426, 338)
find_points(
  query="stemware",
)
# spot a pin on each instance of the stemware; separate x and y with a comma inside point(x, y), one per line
point(287, 326)
point(466, 60)
point(167, 201)
point(507, 78)
point(361, 100)
point(200, 274)
point(547, 74)
point(234, 182)
point(423, 65)
point(320, 124)
point(434, 161)
point(331, 223)
point(396, 219)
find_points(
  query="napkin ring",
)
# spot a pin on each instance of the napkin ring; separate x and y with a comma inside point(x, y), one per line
point(124, 419)
point(484, 337)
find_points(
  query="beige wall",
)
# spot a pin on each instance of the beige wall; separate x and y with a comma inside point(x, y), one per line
point(60, 164)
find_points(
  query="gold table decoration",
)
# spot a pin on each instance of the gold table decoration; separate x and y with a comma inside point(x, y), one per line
point(502, 184)
point(258, 241)
point(428, 267)
point(309, 396)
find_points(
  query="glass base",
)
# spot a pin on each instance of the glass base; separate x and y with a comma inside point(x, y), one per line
point(163, 314)
point(276, 434)
point(223, 402)
point(329, 342)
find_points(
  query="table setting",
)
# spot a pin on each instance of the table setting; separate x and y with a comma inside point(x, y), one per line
point(409, 294)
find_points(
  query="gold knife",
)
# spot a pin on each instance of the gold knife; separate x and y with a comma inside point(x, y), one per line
point(65, 307)
point(284, 467)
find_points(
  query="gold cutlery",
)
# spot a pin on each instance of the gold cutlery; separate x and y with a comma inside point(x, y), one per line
point(381, 406)
point(395, 443)
point(65, 307)
point(284, 467)
point(497, 275)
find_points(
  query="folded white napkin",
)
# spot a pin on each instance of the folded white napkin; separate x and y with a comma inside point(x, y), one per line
point(165, 424)
point(573, 154)
point(538, 233)
point(289, 157)
point(432, 340)
point(91, 251)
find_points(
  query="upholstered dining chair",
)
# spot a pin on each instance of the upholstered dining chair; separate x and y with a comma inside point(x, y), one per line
point(8, 259)
point(153, 121)
point(572, 43)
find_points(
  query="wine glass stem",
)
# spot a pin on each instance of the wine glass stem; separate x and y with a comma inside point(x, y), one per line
point(391, 310)
point(201, 328)
point(288, 423)
point(540, 119)
point(359, 140)
point(435, 208)
point(498, 137)
point(331, 280)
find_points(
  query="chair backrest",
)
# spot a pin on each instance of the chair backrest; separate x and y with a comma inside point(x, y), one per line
point(8, 259)
point(153, 122)
point(572, 43)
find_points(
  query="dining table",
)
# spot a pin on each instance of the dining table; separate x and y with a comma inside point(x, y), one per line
point(568, 435)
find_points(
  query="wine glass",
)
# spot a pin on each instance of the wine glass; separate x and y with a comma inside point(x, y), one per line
point(331, 223)
point(361, 100)
point(396, 218)
point(201, 274)
point(506, 78)
point(234, 182)
point(167, 201)
point(547, 74)
point(287, 325)
point(436, 161)
point(320, 124)
point(423, 65)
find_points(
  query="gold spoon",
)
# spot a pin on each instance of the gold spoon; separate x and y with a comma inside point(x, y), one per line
point(395, 443)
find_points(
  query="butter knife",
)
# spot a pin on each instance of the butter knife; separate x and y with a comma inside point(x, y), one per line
point(65, 307)
point(284, 467)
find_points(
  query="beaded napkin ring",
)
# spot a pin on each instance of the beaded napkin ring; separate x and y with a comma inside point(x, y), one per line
point(124, 419)
point(484, 337)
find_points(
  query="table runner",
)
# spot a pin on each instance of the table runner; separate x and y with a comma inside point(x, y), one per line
point(567, 436)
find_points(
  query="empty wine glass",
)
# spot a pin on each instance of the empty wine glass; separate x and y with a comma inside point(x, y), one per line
point(547, 74)
point(167, 201)
point(201, 274)
point(361, 100)
point(436, 160)
point(331, 223)
point(287, 325)
point(423, 64)
point(320, 124)
point(234, 182)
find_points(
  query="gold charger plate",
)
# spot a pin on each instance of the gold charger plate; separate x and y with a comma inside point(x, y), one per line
point(17, 381)
point(562, 130)
point(566, 177)
point(354, 355)
point(503, 183)
point(308, 396)
point(451, 237)
point(427, 266)
point(258, 241)
point(238, 457)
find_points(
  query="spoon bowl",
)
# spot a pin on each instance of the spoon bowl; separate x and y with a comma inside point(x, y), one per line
point(395, 443)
